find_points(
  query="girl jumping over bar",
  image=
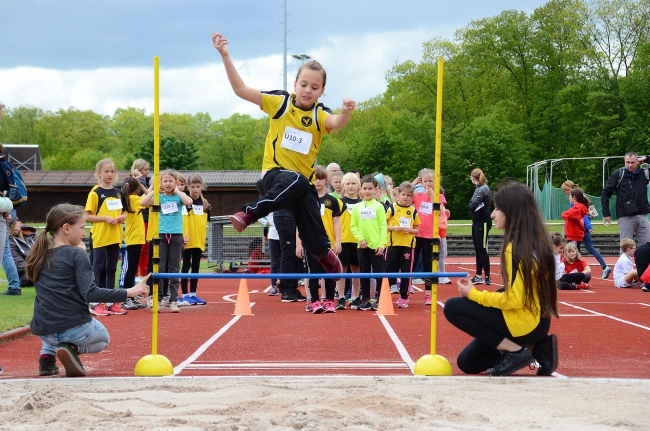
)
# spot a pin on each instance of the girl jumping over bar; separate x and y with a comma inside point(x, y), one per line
point(297, 125)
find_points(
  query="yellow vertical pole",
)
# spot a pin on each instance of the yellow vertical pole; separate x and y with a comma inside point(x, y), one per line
point(433, 364)
point(155, 364)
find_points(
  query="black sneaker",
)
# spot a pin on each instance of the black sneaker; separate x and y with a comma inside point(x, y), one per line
point(47, 367)
point(365, 305)
point(68, 355)
point(341, 304)
point(510, 362)
point(299, 296)
point(289, 297)
point(354, 305)
point(545, 353)
point(477, 280)
point(373, 305)
point(488, 281)
point(12, 293)
point(646, 287)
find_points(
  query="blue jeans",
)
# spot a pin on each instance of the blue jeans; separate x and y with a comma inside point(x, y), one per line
point(91, 337)
point(589, 245)
point(8, 264)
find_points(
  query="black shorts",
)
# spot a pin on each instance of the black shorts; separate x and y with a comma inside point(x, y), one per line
point(349, 254)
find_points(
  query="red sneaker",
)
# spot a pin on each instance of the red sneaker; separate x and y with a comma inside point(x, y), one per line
point(100, 310)
point(241, 220)
point(331, 264)
point(583, 286)
point(116, 308)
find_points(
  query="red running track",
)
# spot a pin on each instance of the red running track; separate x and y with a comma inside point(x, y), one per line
point(604, 332)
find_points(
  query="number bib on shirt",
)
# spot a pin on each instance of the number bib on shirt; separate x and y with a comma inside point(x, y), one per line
point(113, 204)
point(296, 140)
point(405, 221)
point(350, 208)
point(426, 208)
point(184, 211)
point(169, 208)
point(197, 210)
point(368, 213)
point(322, 210)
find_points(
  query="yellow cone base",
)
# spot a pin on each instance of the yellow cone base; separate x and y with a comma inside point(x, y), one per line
point(432, 365)
point(154, 365)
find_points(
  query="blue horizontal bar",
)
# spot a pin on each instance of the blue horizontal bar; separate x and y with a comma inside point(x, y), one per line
point(267, 276)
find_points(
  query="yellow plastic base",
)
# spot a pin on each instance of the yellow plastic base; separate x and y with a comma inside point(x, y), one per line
point(154, 365)
point(432, 365)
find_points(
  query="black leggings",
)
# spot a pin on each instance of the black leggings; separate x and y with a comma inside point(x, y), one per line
point(370, 262)
point(425, 245)
point(132, 260)
point(480, 231)
point(569, 281)
point(488, 327)
point(399, 258)
point(105, 264)
point(191, 259)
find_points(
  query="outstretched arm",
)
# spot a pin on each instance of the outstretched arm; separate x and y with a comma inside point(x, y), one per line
point(239, 87)
point(338, 121)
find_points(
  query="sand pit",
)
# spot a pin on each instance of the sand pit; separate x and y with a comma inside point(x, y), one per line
point(332, 403)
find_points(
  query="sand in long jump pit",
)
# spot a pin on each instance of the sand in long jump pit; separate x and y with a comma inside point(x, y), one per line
point(319, 403)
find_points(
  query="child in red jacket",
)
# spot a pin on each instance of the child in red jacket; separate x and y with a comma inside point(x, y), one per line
point(574, 228)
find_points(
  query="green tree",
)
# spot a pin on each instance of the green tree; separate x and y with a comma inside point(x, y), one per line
point(174, 154)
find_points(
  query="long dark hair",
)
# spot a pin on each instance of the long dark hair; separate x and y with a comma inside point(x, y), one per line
point(55, 219)
point(531, 248)
point(130, 186)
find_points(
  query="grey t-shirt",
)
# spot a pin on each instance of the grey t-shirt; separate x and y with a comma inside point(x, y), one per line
point(64, 288)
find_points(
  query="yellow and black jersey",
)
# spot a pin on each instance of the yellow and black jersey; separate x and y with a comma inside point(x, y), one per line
point(105, 202)
point(346, 219)
point(330, 207)
point(134, 233)
point(196, 229)
point(295, 134)
point(397, 215)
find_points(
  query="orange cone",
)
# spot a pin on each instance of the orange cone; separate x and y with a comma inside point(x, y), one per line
point(385, 307)
point(243, 305)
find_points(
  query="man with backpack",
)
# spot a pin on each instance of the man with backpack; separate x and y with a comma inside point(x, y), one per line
point(632, 208)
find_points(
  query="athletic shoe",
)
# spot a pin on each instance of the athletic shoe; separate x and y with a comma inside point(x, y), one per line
point(364, 306)
point(331, 264)
point(341, 304)
point(444, 280)
point(69, 357)
point(183, 302)
point(373, 305)
point(299, 296)
point(289, 297)
point(510, 362)
point(309, 307)
point(427, 299)
point(273, 291)
point(241, 220)
point(317, 307)
point(606, 272)
point(100, 310)
point(173, 307)
point(402, 303)
point(477, 280)
point(417, 281)
point(116, 308)
point(129, 304)
point(301, 282)
point(545, 353)
point(189, 299)
point(488, 281)
point(329, 306)
point(140, 301)
point(12, 293)
point(583, 286)
point(198, 301)
point(645, 288)
point(164, 302)
point(412, 289)
point(150, 302)
point(394, 289)
point(354, 304)
point(47, 366)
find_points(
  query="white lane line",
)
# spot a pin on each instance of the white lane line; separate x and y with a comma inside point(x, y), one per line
point(398, 344)
point(180, 367)
point(606, 315)
point(645, 305)
point(296, 365)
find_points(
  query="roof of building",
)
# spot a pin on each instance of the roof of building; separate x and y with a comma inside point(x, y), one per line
point(87, 178)
point(23, 156)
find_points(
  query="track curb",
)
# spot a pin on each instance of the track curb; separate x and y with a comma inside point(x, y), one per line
point(14, 333)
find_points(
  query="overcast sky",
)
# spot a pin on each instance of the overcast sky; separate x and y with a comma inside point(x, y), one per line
point(98, 54)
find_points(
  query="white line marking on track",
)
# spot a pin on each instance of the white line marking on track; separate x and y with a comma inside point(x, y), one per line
point(296, 365)
point(398, 344)
point(180, 367)
point(417, 288)
point(645, 305)
point(606, 315)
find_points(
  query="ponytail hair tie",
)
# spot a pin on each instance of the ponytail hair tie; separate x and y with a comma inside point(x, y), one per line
point(47, 230)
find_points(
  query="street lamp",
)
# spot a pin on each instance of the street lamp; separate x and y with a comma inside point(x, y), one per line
point(301, 57)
